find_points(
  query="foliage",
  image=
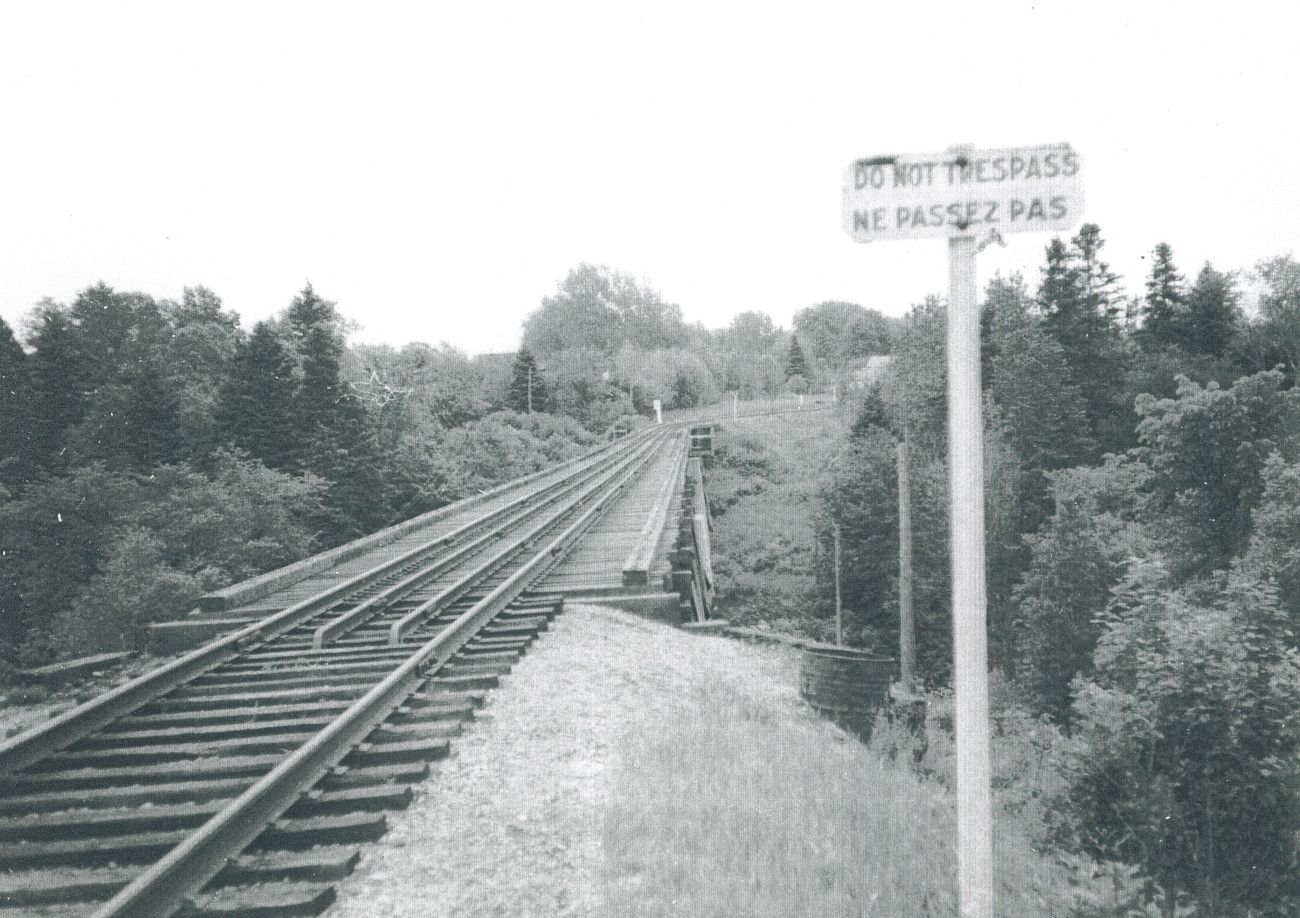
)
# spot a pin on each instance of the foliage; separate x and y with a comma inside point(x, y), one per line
point(505, 445)
point(1279, 307)
point(1190, 730)
point(795, 364)
point(1165, 303)
point(1206, 450)
point(66, 548)
point(1275, 542)
point(1080, 301)
point(838, 333)
point(1076, 560)
point(528, 390)
point(600, 309)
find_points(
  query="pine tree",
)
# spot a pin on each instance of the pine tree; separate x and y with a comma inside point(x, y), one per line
point(1166, 300)
point(18, 432)
point(795, 364)
point(1210, 324)
point(255, 408)
point(335, 437)
point(59, 398)
point(1081, 302)
point(528, 391)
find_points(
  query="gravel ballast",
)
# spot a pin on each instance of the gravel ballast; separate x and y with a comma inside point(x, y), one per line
point(511, 824)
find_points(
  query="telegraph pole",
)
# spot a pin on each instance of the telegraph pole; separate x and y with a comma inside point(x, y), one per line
point(906, 624)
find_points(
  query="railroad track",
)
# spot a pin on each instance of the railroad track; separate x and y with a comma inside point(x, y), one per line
point(238, 779)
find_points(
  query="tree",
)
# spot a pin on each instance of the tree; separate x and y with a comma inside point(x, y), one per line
point(1189, 744)
point(838, 333)
point(916, 388)
point(255, 407)
point(18, 434)
point(195, 363)
point(1206, 449)
point(600, 309)
point(336, 440)
point(1275, 539)
point(795, 365)
point(1212, 318)
point(59, 401)
point(527, 392)
point(1279, 307)
point(1166, 300)
point(1080, 299)
point(1030, 381)
point(1076, 560)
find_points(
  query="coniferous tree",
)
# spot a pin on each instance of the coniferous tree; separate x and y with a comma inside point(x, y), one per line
point(58, 396)
point(795, 364)
point(255, 408)
point(18, 432)
point(1210, 322)
point(153, 422)
point(527, 392)
point(336, 440)
point(1165, 304)
point(1081, 303)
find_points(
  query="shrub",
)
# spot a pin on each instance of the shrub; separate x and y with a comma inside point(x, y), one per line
point(1189, 756)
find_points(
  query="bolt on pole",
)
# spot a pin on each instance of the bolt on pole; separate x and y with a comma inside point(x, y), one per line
point(969, 606)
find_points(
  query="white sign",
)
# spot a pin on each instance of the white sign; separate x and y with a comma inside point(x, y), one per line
point(924, 195)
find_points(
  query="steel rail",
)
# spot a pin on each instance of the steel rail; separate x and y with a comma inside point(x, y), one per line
point(399, 630)
point(162, 888)
point(28, 748)
point(527, 505)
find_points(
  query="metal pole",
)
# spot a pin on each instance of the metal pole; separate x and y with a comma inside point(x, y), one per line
point(530, 390)
point(906, 624)
point(970, 651)
point(839, 613)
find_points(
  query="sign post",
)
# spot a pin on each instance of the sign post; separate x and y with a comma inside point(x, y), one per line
point(958, 195)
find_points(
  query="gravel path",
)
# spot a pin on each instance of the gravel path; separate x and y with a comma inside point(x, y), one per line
point(511, 824)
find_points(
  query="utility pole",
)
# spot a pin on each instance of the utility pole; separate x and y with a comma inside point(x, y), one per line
point(839, 614)
point(906, 624)
point(530, 390)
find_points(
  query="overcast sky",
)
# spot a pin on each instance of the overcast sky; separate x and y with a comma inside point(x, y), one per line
point(437, 168)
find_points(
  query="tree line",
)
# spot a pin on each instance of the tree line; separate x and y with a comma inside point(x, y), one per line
point(1142, 479)
point(151, 451)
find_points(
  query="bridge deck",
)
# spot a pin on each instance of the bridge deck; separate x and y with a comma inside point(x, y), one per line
point(594, 569)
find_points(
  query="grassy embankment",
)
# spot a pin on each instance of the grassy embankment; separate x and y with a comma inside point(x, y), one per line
point(738, 808)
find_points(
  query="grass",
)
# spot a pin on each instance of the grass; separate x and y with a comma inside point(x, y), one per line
point(740, 808)
point(763, 539)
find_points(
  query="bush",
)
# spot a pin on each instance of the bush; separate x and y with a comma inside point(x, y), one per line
point(1189, 756)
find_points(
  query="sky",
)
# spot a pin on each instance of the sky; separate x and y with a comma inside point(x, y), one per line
point(437, 169)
